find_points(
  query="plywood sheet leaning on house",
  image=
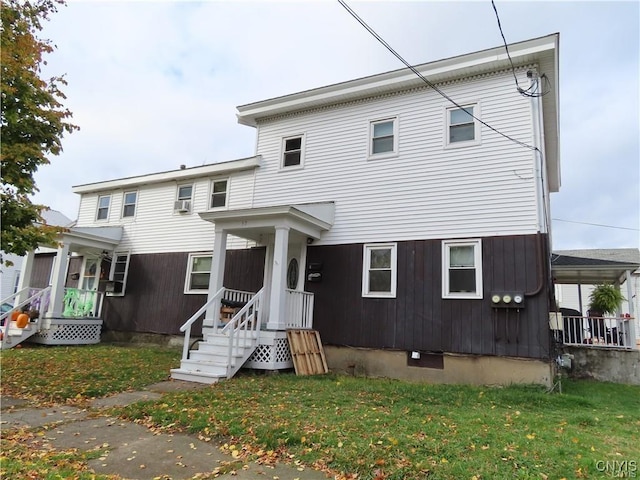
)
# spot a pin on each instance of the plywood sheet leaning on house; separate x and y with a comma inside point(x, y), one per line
point(307, 352)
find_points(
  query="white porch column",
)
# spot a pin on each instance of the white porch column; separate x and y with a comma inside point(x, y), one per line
point(57, 282)
point(277, 299)
point(630, 300)
point(266, 283)
point(216, 279)
point(25, 275)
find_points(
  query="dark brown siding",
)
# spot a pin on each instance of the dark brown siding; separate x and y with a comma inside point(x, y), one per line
point(154, 301)
point(75, 267)
point(41, 273)
point(419, 318)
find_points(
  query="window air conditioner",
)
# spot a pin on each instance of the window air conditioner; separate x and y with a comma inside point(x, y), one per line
point(182, 206)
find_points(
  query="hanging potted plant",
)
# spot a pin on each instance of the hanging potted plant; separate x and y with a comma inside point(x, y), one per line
point(605, 299)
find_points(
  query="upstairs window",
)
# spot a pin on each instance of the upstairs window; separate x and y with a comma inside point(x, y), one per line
point(103, 207)
point(129, 204)
point(198, 273)
point(292, 151)
point(219, 193)
point(383, 137)
point(185, 192)
point(462, 127)
point(462, 269)
point(379, 270)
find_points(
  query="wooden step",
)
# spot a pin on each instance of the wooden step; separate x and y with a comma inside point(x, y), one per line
point(191, 376)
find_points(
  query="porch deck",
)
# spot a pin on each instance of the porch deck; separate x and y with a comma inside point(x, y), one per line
point(607, 332)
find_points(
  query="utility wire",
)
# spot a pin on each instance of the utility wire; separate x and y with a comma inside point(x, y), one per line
point(529, 92)
point(596, 224)
point(425, 80)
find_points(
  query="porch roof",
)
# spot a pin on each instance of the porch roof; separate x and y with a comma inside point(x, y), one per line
point(305, 220)
point(99, 238)
point(594, 266)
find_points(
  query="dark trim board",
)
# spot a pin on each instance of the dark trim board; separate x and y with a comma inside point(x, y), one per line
point(419, 319)
point(155, 301)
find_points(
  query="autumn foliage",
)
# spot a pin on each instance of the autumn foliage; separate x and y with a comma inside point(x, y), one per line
point(34, 121)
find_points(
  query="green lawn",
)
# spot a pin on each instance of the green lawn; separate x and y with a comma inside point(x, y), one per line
point(378, 429)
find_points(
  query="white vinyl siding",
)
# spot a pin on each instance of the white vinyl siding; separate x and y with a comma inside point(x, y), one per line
point(426, 192)
point(157, 228)
point(379, 271)
point(462, 269)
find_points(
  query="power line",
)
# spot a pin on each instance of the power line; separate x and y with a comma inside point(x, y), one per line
point(531, 91)
point(425, 80)
point(596, 224)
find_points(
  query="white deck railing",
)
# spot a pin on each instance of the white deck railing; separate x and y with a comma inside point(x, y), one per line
point(614, 332)
point(79, 303)
point(299, 309)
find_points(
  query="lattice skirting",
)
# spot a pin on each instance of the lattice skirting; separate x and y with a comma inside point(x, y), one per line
point(69, 332)
point(271, 354)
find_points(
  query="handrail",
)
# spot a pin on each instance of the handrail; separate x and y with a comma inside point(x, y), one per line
point(5, 328)
point(14, 295)
point(186, 327)
point(237, 327)
point(599, 331)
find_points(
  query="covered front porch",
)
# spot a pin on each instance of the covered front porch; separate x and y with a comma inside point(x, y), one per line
point(61, 314)
point(251, 326)
point(575, 273)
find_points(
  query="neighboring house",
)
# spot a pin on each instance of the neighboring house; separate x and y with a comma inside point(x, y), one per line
point(576, 272)
point(411, 235)
point(11, 273)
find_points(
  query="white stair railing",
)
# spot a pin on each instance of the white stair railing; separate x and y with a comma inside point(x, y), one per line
point(186, 327)
point(5, 319)
point(243, 326)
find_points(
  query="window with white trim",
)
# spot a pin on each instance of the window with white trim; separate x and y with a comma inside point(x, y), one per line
point(198, 273)
point(462, 127)
point(379, 270)
point(103, 207)
point(119, 272)
point(292, 151)
point(383, 137)
point(129, 204)
point(219, 193)
point(461, 269)
point(184, 192)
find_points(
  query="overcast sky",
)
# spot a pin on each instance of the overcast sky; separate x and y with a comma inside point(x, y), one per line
point(154, 84)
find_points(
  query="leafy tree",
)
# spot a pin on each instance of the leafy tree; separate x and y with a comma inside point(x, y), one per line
point(33, 121)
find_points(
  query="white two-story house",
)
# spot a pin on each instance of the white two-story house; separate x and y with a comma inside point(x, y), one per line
point(411, 230)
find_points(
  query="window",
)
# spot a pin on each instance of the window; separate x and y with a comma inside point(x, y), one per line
point(119, 272)
point(90, 274)
point(129, 204)
point(184, 192)
point(383, 137)
point(462, 269)
point(218, 193)
point(379, 270)
point(103, 207)
point(292, 151)
point(198, 272)
point(462, 127)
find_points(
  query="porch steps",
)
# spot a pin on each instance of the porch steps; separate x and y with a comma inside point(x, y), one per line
point(15, 336)
point(210, 363)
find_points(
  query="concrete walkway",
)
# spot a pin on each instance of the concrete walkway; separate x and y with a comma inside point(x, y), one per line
point(133, 451)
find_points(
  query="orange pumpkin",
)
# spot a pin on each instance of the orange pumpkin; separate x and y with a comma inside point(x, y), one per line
point(22, 321)
point(14, 315)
